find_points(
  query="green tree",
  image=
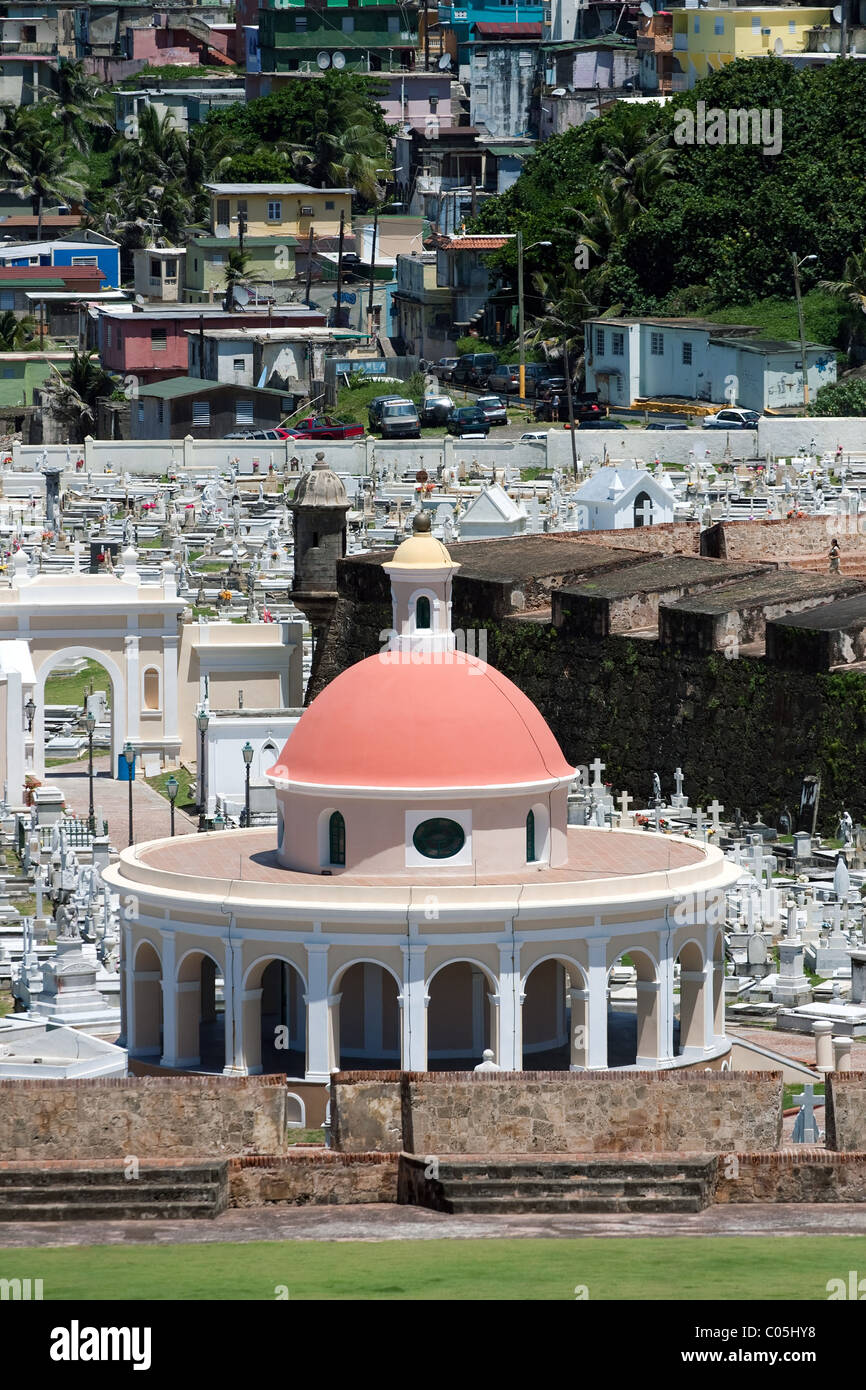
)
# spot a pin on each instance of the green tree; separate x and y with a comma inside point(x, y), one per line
point(81, 105)
point(842, 398)
point(72, 394)
point(852, 288)
point(39, 166)
point(16, 333)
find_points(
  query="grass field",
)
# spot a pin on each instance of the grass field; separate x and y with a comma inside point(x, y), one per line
point(186, 790)
point(708, 1269)
point(71, 690)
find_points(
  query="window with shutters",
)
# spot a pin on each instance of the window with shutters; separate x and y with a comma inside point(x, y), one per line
point(530, 838)
point(243, 412)
point(158, 340)
point(201, 413)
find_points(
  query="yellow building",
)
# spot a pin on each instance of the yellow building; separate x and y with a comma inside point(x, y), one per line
point(275, 209)
point(706, 39)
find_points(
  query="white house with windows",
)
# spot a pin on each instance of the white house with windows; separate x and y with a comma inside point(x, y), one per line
point(618, 498)
point(631, 360)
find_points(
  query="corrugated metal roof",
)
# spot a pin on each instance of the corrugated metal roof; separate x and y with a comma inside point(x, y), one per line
point(508, 31)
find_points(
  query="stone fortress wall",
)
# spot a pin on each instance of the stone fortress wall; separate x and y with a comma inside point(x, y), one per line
point(555, 614)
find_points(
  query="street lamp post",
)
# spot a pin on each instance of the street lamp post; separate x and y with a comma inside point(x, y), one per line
point(521, 343)
point(202, 721)
point(171, 787)
point(30, 711)
point(247, 751)
point(90, 725)
point(129, 755)
point(796, 264)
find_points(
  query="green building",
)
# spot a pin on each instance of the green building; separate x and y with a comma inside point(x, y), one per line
point(271, 262)
point(21, 372)
point(365, 36)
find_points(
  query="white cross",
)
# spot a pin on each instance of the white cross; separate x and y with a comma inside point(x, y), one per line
point(597, 767)
point(624, 801)
point(678, 778)
point(714, 808)
point(657, 815)
point(699, 820)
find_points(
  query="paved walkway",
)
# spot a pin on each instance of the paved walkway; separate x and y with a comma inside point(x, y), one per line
point(150, 812)
point(391, 1222)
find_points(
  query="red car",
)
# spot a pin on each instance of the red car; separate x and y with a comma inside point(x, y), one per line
point(324, 427)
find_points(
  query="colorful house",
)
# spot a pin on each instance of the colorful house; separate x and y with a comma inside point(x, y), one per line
point(706, 39)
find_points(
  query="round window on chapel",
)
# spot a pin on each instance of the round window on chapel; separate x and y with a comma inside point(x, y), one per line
point(439, 838)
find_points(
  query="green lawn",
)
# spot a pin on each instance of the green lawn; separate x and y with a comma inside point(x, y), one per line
point(71, 690)
point(709, 1269)
point(186, 791)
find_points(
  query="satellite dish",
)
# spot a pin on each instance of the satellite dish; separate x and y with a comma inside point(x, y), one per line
point(558, 92)
point(241, 296)
point(324, 60)
point(646, 10)
point(778, 48)
point(140, 299)
point(837, 13)
point(223, 232)
point(339, 60)
point(825, 48)
point(444, 62)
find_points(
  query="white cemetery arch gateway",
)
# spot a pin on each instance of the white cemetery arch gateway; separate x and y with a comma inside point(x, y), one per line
point(129, 627)
point(118, 700)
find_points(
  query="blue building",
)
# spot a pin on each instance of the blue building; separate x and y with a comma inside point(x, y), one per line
point(91, 248)
point(461, 18)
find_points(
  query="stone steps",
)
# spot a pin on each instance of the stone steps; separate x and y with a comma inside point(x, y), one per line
point(104, 1193)
point(558, 1184)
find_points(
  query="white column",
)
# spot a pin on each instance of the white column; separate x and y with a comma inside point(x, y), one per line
point(127, 993)
point(510, 1052)
point(413, 1003)
point(233, 984)
point(169, 686)
point(372, 1009)
point(133, 687)
point(596, 1052)
point(666, 997)
point(169, 1000)
point(577, 1044)
point(318, 1021)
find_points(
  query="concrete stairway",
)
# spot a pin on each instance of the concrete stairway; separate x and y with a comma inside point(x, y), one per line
point(101, 1191)
point(554, 1184)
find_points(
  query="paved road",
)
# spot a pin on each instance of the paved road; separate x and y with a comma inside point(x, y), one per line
point(391, 1222)
point(150, 811)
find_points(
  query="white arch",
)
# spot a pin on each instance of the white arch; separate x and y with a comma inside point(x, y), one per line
point(299, 1123)
point(691, 942)
point(636, 950)
point(464, 960)
point(198, 951)
point(562, 960)
point(118, 701)
point(146, 941)
point(268, 960)
point(363, 960)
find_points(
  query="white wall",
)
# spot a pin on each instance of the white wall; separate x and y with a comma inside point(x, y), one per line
point(225, 764)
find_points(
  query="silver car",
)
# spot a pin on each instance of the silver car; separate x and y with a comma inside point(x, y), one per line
point(494, 409)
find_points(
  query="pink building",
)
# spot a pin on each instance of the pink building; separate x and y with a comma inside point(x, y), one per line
point(151, 343)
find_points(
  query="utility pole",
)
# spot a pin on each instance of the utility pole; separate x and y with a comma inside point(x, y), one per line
point(338, 312)
point(373, 271)
point(521, 390)
point(310, 263)
point(567, 365)
point(426, 38)
point(796, 264)
point(242, 227)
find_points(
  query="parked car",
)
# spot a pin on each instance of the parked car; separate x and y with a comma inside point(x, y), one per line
point(658, 425)
point(445, 366)
point(505, 378)
point(493, 408)
point(473, 368)
point(533, 437)
point(733, 417)
point(374, 409)
point(398, 419)
point(535, 372)
point(275, 434)
point(602, 424)
point(324, 427)
point(585, 405)
point(468, 419)
point(436, 409)
point(725, 425)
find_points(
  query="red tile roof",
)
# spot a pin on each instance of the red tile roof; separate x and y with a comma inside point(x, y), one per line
point(508, 31)
point(69, 274)
point(472, 243)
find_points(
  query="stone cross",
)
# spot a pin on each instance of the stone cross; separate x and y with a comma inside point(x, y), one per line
point(699, 820)
point(597, 767)
point(714, 808)
point(624, 802)
point(678, 778)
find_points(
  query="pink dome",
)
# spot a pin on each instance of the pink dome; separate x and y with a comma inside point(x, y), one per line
point(390, 724)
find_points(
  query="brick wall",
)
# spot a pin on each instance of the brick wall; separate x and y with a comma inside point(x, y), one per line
point(320, 1178)
point(557, 1112)
point(799, 1175)
point(845, 1112)
point(149, 1117)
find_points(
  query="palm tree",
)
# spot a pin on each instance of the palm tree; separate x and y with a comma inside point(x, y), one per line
point(81, 105)
point(636, 175)
point(237, 273)
point(161, 150)
point(852, 288)
point(352, 156)
point(72, 394)
point(40, 167)
point(16, 334)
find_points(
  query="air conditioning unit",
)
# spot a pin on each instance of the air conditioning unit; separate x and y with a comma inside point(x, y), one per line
point(306, 212)
point(766, 31)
